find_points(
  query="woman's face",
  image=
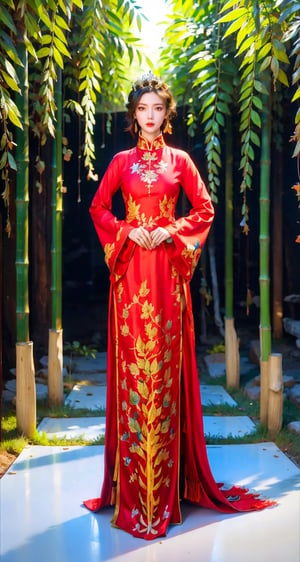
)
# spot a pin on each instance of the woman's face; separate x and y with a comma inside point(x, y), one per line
point(150, 114)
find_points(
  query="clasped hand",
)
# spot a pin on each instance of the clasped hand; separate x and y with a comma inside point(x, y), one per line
point(148, 240)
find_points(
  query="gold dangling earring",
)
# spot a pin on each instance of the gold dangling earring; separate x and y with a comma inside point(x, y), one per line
point(135, 126)
point(167, 127)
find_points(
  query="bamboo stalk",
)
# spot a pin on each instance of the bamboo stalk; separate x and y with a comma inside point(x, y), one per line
point(22, 193)
point(277, 247)
point(275, 407)
point(232, 358)
point(55, 368)
point(25, 389)
point(264, 243)
point(57, 207)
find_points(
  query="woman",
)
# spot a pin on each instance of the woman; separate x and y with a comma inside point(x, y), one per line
point(155, 451)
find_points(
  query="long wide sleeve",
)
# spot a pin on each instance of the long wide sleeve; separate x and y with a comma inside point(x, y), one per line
point(189, 233)
point(112, 233)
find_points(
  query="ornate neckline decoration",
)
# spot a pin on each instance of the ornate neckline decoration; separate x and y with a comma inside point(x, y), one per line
point(145, 144)
point(148, 167)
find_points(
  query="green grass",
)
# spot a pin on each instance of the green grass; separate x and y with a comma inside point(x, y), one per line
point(14, 443)
point(287, 441)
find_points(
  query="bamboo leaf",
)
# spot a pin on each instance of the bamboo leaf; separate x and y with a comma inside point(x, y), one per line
point(260, 87)
point(228, 5)
point(296, 150)
point(288, 12)
point(233, 15)
point(44, 16)
point(220, 119)
point(12, 114)
point(275, 66)
point(7, 20)
point(263, 52)
point(281, 55)
point(9, 48)
point(207, 113)
point(257, 102)
point(61, 47)
point(265, 64)
point(43, 52)
point(3, 160)
point(296, 76)
point(282, 77)
point(11, 161)
point(58, 58)
point(255, 118)
point(296, 95)
point(11, 83)
point(46, 39)
point(234, 27)
point(62, 23)
point(58, 32)
point(254, 138)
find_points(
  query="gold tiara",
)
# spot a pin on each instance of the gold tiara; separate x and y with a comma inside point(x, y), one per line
point(148, 79)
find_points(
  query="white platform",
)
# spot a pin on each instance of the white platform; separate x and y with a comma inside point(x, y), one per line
point(42, 519)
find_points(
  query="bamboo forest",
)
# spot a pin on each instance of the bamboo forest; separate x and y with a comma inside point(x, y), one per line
point(233, 66)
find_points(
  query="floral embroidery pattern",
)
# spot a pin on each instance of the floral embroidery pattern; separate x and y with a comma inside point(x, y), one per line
point(108, 251)
point(192, 253)
point(148, 169)
point(167, 206)
point(148, 416)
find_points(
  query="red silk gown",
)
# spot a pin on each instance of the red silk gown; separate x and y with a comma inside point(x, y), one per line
point(155, 452)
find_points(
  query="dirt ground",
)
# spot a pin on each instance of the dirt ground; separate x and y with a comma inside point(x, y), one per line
point(6, 460)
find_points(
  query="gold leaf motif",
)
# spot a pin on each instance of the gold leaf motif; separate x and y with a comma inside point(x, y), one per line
point(158, 485)
point(155, 367)
point(152, 413)
point(120, 291)
point(167, 355)
point(163, 455)
point(143, 485)
point(135, 448)
point(166, 206)
point(143, 389)
point(165, 425)
point(133, 368)
point(125, 312)
point(108, 250)
point(133, 397)
point(147, 310)
point(134, 425)
point(150, 330)
point(150, 345)
point(140, 346)
point(145, 412)
point(144, 289)
point(140, 363)
point(125, 330)
point(133, 210)
point(167, 400)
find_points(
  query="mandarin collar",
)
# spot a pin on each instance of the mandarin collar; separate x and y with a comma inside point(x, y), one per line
point(145, 144)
